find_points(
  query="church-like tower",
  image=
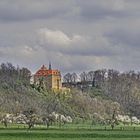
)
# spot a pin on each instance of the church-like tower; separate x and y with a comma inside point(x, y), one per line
point(51, 78)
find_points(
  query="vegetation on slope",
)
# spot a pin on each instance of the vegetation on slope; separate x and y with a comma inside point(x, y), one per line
point(109, 95)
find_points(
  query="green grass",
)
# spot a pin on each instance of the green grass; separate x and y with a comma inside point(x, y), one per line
point(65, 133)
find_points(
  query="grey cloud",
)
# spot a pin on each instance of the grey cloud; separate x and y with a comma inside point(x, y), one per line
point(1, 54)
point(88, 49)
point(18, 10)
point(32, 9)
point(103, 10)
point(94, 12)
point(126, 37)
point(91, 34)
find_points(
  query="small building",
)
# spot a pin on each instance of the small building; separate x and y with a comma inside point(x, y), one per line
point(49, 77)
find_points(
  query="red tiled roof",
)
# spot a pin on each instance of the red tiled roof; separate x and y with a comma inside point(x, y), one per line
point(43, 71)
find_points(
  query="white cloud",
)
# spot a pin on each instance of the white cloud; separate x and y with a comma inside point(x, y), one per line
point(57, 40)
point(53, 37)
point(57, 37)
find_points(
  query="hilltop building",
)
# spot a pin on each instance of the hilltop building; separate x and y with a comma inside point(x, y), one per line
point(49, 77)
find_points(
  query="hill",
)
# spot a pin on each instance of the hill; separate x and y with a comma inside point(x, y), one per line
point(17, 95)
point(110, 96)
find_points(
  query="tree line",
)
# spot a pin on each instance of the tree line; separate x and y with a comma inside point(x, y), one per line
point(122, 87)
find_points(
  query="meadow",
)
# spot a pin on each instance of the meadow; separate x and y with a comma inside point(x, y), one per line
point(69, 132)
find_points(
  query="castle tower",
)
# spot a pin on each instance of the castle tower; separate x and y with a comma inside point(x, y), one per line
point(51, 78)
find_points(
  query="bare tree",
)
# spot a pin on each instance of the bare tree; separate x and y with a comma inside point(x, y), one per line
point(67, 78)
point(74, 77)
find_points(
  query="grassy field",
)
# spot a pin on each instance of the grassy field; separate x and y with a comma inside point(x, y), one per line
point(65, 133)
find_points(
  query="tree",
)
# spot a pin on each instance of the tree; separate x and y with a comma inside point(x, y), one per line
point(67, 78)
point(31, 118)
point(74, 77)
point(84, 77)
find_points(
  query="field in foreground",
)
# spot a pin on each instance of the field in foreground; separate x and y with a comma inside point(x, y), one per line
point(68, 134)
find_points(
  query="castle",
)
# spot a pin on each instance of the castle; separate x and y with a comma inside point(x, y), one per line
point(49, 77)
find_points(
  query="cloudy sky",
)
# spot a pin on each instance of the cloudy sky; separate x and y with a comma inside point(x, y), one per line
point(75, 35)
